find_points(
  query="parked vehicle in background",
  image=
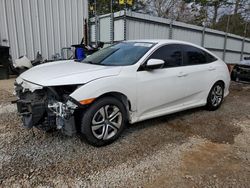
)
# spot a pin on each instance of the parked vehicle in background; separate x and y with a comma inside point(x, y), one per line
point(241, 71)
point(128, 82)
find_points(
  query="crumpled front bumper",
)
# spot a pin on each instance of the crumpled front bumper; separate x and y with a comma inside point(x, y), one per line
point(32, 107)
point(39, 108)
point(32, 112)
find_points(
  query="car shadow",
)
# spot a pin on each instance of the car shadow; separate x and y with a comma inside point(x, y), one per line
point(212, 125)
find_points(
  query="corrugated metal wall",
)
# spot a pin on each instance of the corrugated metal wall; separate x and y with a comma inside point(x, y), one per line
point(105, 26)
point(131, 25)
point(28, 26)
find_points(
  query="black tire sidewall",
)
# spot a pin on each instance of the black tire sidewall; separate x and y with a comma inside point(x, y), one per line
point(89, 114)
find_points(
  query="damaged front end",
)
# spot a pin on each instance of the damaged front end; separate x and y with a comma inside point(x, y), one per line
point(46, 108)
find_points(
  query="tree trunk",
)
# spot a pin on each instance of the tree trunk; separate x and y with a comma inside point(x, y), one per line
point(182, 9)
point(236, 8)
point(216, 7)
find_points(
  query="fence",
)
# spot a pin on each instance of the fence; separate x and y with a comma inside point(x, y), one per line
point(125, 25)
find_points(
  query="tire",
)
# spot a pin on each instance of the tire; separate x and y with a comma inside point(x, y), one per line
point(215, 96)
point(103, 122)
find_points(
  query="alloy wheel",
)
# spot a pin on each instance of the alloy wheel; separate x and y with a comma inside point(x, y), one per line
point(106, 122)
point(217, 95)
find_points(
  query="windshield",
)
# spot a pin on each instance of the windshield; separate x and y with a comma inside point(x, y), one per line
point(125, 53)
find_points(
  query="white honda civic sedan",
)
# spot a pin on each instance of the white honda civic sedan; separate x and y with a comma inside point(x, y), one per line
point(127, 82)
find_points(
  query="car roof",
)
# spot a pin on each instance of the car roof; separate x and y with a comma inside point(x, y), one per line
point(171, 41)
point(161, 41)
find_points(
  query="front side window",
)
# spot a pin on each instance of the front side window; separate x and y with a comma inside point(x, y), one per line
point(171, 54)
point(196, 56)
point(124, 53)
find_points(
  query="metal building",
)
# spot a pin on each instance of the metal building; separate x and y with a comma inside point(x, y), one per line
point(130, 25)
point(29, 26)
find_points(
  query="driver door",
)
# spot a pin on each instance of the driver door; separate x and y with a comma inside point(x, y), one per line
point(161, 91)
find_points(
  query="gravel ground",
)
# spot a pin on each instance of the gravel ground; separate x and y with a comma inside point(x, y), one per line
point(195, 148)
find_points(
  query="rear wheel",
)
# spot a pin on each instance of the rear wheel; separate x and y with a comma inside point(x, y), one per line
point(215, 96)
point(104, 121)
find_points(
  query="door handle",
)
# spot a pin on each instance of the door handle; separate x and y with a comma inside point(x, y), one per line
point(181, 74)
point(211, 68)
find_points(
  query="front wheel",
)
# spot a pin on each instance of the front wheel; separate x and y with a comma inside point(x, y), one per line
point(215, 96)
point(104, 121)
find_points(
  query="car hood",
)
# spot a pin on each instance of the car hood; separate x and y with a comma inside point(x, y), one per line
point(67, 73)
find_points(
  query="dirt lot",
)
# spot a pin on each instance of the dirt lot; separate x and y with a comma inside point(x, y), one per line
point(195, 148)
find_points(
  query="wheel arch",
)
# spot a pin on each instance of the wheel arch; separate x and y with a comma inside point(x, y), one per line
point(220, 81)
point(216, 82)
point(121, 97)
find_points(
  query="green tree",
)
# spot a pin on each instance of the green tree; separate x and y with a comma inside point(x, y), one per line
point(103, 7)
point(236, 26)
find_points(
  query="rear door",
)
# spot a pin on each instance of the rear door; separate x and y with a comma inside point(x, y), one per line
point(199, 69)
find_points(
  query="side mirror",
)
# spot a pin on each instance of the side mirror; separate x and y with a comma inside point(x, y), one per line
point(154, 64)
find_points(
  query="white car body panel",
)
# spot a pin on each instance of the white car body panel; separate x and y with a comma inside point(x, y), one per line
point(67, 73)
point(150, 93)
point(125, 83)
point(183, 87)
point(154, 86)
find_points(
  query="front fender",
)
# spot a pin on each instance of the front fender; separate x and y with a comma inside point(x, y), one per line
point(96, 88)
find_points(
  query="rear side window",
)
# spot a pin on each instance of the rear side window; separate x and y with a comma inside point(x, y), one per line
point(171, 54)
point(196, 56)
point(210, 58)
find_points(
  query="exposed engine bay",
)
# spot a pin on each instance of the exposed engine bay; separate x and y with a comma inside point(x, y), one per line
point(47, 108)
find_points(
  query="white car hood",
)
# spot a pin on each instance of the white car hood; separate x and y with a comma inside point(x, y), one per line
point(67, 73)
